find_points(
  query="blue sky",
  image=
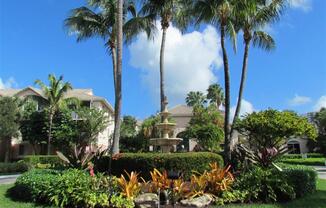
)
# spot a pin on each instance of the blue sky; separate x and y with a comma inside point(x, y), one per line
point(34, 43)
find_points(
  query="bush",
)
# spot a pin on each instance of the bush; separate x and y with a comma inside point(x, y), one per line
point(264, 185)
point(303, 179)
point(70, 188)
point(299, 156)
point(17, 167)
point(33, 185)
point(307, 161)
point(143, 163)
point(43, 161)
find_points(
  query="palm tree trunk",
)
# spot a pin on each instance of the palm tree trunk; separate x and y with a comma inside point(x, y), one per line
point(227, 142)
point(162, 68)
point(118, 93)
point(7, 150)
point(114, 61)
point(50, 133)
point(242, 85)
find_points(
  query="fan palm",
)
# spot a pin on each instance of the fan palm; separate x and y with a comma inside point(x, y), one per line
point(86, 23)
point(54, 94)
point(220, 14)
point(216, 95)
point(195, 99)
point(167, 11)
point(251, 17)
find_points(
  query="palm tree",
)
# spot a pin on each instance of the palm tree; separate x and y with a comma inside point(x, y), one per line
point(216, 95)
point(195, 99)
point(54, 94)
point(251, 17)
point(118, 93)
point(87, 23)
point(220, 14)
point(176, 11)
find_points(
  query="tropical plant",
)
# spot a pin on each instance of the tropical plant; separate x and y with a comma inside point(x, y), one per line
point(215, 95)
point(215, 181)
point(251, 17)
point(86, 23)
point(167, 11)
point(131, 187)
point(78, 157)
point(220, 14)
point(54, 93)
point(160, 180)
point(196, 99)
point(9, 122)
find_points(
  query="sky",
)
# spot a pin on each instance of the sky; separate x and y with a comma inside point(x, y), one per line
point(35, 43)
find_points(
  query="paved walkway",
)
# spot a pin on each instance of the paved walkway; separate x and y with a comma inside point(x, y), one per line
point(321, 170)
point(8, 179)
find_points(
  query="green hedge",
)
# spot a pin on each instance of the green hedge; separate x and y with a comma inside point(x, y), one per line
point(17, 167)
point(146, 162)
point(303, 179)
point(299, 156)
point(307, 161)
point(43, 161)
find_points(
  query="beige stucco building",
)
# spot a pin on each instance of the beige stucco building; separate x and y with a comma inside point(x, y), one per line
point(86, 96)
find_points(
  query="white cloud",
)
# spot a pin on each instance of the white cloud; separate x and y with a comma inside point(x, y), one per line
point(321, 103)
point(9, 83)
point(246, 107)
point(298, 100)
point(304, 5)
point(189, 61)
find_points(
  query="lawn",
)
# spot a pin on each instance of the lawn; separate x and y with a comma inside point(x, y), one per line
point(8, 203)
point(317, 200)
point(307, 161)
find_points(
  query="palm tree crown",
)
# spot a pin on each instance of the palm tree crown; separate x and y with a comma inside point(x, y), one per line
point(215, 94)
point(194, 99)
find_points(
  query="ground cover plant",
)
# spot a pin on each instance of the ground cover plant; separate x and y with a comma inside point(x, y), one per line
point(304, 161)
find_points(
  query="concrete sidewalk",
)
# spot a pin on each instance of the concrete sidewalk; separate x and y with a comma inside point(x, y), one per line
point(321, 170)
point(8, 179)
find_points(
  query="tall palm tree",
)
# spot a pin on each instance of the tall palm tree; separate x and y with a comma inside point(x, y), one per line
point(54, 94)
point(195, 99)
point(167, 11)
point(251, 17)
point(118, 93)
point(220, 14)
point(101, 19)
point(216, 95)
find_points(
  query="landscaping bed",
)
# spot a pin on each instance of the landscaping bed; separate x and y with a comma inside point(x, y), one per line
point(304, 161)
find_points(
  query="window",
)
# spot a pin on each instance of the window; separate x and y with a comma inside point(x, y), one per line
point(294, 147)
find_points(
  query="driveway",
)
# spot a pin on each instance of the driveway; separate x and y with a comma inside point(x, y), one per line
point(321, 170)
point(8, 179)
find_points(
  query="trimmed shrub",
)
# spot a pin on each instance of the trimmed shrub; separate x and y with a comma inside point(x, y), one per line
point(32, 186)
point(69, 188)
point(307, 161)
point(299, 156)
point(303, 179)
point(264, 185)
point(143, 163)
point(17, 167)
point(43, 161)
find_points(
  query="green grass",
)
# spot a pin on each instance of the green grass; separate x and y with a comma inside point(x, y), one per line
point(307, 161)
point(316, 200)
point(6, 202)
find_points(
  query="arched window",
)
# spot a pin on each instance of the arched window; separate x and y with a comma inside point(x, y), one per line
point(294, 147)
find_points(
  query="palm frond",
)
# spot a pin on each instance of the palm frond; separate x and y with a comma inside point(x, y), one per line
point(137, 25)
point(263, 40)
